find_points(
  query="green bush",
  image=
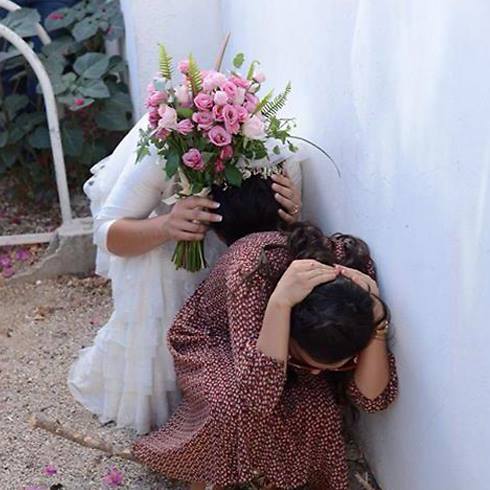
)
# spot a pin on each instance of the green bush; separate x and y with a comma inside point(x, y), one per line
point(89, 87)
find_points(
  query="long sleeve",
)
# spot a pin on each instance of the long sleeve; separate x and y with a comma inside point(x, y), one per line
point(383, 400)
point(260, 378)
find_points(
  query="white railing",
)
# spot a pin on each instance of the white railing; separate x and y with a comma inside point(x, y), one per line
point(53, 125)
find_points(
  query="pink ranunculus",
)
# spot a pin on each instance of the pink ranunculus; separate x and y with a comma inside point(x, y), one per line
point(259, 77)
point(218, 112)
point(183, 95)
point(240, 81)
point(253, 128)
point(203, 102)
point(230, 88)
point(221, 97)
point(193, 159)
point(183, 66)
point(242, 113)
point(240, 96)
point(168, 117)
point(153, 117)
point(219, 136)
point(157, 98)
point(185, 126)
point(204, 120)
point(212, 80)
point(230, 117)
point(219, 165)
point(226, 152)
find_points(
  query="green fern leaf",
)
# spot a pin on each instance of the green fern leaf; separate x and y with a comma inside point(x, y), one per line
point(194, 76)
point(165, 63)
point(272, 107)
point(251, 69)
point(263, 102)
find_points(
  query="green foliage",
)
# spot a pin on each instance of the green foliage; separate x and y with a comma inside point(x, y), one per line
point(87, 82)
point(251, 69)
point(165, 63)
point(194, 75)
point(263, 102)
point(272, 107)
point(238, 60)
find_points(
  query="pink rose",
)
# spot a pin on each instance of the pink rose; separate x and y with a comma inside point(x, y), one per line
point(219, 136)
point(213, 80)
point(230, 88)
point(162, 133)
point(183, 96)
point(220, 97)
point(203, 102)
point(251, 102)
point(150, 88)
point(193, 159)
point(219, 165)
point(218, 112)
point(185, 126)
point(226, 152)
point(204, 120)
point(253, 128)
point(240, 96)
point(230, 117)
point(240, 82)
point(168, 117)
point(157, 98)
point(242, 113)
point(183, 66)
point(153, 117)
point(259, 77)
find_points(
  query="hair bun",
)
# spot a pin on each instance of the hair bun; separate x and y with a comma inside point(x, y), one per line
point(307, 241)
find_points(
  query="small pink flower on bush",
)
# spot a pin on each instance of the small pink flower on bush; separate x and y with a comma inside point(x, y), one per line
point(221, 97)
point(230, 88)
point(219, 166)
point(253, 128)
point(183, 66)
point(219, 136)
point(226, 152)
point(193, 159)
point(5, 261)
point(56, 16)
point(168, 117)
point(157, 98)
point(114, 478)
point(230, 117)
point(259, 77)
point(50, 470)
point(22, 255)
point(183, 96)
point(185, 126)
point(203, 102)
point(79, 101)
point(204, 120)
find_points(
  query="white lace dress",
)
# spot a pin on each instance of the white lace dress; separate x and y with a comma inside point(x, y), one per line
point(127, 375)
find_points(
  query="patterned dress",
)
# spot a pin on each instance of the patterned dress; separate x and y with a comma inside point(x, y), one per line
point(241, 414)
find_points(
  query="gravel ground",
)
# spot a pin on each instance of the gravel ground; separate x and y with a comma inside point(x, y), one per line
point(42, 327)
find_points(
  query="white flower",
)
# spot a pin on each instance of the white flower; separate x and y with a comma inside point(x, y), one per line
point(253, 128)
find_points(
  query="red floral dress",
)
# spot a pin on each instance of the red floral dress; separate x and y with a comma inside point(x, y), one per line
point(240, 415)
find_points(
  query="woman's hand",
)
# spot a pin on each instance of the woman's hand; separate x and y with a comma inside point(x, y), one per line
point(299, 280)
point(288, 196)
point(189, 219)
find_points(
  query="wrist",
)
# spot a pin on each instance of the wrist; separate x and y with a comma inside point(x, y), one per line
point(162, 233)
point(277, 300)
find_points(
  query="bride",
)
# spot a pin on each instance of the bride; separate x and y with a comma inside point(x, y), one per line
point(127, 374)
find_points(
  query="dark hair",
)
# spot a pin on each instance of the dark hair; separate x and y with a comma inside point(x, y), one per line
point(335, 321)
point(250, 208)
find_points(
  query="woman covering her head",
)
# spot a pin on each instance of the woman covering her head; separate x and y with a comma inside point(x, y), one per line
point(257, 349)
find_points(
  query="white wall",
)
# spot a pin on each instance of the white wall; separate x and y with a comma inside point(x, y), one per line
point(183, 26)
point(398, 93)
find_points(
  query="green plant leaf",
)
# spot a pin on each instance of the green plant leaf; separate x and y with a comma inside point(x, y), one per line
point(14, 103)
point(96, 89)
point(117, 65)
point(62, 46)
point(23, 21)
point(116, 27)
point(233, 176)
point(112, 117)
point(172, 163)
point(73, 140)
point(251, 69)
point(165, 63)
point(60, 18)
point(9, 155)
point(238, 60)
point(4, 136)
point(39, 138)
point(93, 152)
point(85, 29)
point(185, 112)
point(92, 65)
point(194, 76)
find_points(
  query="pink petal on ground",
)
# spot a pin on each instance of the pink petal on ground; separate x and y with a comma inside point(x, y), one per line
point(5, 261)
point(114, 478)
point(50, 470)
point(22, 255)
point(8, 272)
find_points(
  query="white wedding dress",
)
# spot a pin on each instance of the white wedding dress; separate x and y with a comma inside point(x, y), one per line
point(127, 375)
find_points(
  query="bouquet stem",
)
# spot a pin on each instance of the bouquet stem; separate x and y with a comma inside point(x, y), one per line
point(189, 256)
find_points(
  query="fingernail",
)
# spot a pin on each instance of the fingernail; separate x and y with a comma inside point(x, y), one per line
point(219, 218)
point(217, 205)
point(276, 195)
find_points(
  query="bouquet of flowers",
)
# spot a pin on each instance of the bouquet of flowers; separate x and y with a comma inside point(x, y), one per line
point(210, 128)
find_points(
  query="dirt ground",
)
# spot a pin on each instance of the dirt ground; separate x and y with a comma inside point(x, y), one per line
point(42, 327)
